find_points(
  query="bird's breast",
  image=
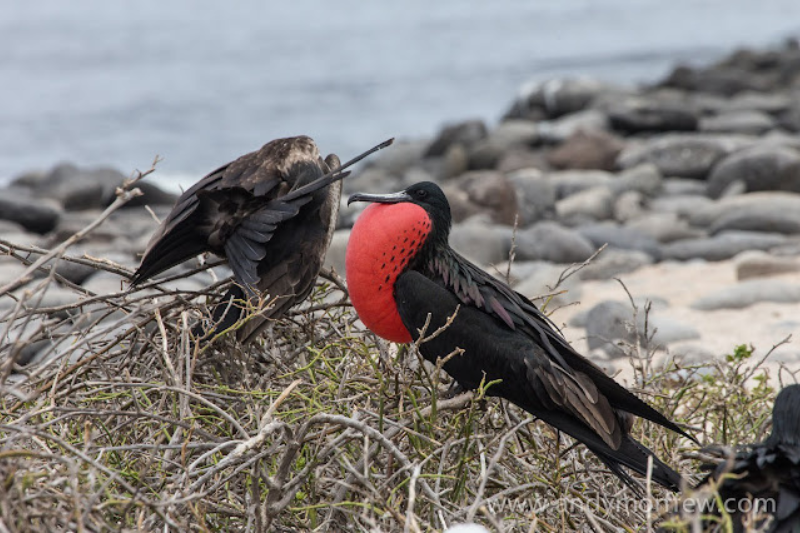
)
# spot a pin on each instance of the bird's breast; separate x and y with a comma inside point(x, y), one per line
point(383, 241)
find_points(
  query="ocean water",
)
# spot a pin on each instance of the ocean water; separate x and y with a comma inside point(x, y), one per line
point(200, 82)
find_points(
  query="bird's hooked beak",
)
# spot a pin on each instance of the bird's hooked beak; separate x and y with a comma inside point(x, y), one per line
point(393, 198)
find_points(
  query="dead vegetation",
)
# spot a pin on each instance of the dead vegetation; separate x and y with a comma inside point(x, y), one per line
point(126, 423)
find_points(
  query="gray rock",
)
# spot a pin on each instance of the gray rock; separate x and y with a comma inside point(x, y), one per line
point(482, 192)
point(613, 262)
point(569, 182)
point(579, 319)
point(706, 214)
point(33, 214)
point(609, 323)
point(372, 178)
point(520, 270)
point(484, 155)
point(399, 158)
point(135, 223)
point(790, 119)
point(8, 227)
point(455, 162)
point(515, 159)
point(107, 283)
point(620, 237)
point(640, 114)
point(466, 133)
point(629, 205)
point(768, 103)
point(561, 129)
point(746, 121)
point(53, 296)
point(596, 203)
point(481, 242)
point(10, 270)
point(721, 246)
point(548, 241)
point(536, 195)
point(761, 168)
point(665, 330)
point(152, 195)
point(512, 133)
point(682, 155)
point(684, 206)
point(335, 257)
point(556, 97)
point(82, 188)
point(587, 150)
point(665, 227)
point(692, 354)
point(682, 187)
point(756, 264)
point(757, 218)
point(540, 287)
point(726, 81)
point(748, 293)
point(645, 179)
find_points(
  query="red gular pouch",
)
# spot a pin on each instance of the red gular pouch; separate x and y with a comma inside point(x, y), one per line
point(383, 241)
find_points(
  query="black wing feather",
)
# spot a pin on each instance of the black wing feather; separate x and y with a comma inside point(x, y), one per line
point(501, 301)
point(565, 399)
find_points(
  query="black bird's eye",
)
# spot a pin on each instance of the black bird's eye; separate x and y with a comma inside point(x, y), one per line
point(421, 193)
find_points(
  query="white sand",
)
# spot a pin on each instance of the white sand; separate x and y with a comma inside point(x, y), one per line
point(762, 325)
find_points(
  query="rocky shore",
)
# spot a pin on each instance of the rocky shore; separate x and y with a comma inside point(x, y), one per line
point(692, 184)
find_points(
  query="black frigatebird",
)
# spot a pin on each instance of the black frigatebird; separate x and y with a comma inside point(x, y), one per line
point(271, 213)
point(765, 478)
point(401, 271)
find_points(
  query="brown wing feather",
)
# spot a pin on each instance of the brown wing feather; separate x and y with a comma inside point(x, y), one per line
point(247, 184)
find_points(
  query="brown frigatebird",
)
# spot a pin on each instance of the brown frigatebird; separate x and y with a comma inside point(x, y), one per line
point(763, 480)
point(271, 213)
point(401, 272)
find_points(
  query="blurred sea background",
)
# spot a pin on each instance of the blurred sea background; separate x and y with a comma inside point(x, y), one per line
point(200, 82)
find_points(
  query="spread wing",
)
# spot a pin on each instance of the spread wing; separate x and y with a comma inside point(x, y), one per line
point(235, 210)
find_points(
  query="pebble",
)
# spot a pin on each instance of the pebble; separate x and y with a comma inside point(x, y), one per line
point(34, 214)
point(747, 121)
point(758, 218)
point(748, 293)
point(596, 203)
point(559, 130)
point(651, 115)
point(481, 242)
point(465, 133)
point(761, 168)
point(548, 241)
point(557, 97)
point(541, 283)
point(478, 192)
point(335, 257)
point(536, 195)
point(613, 262)
point(755, 264)
point(620, 237)
point(724, 245)
point(665, 227)
point(608, 324)
point(587, 150)
point(690, 155)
